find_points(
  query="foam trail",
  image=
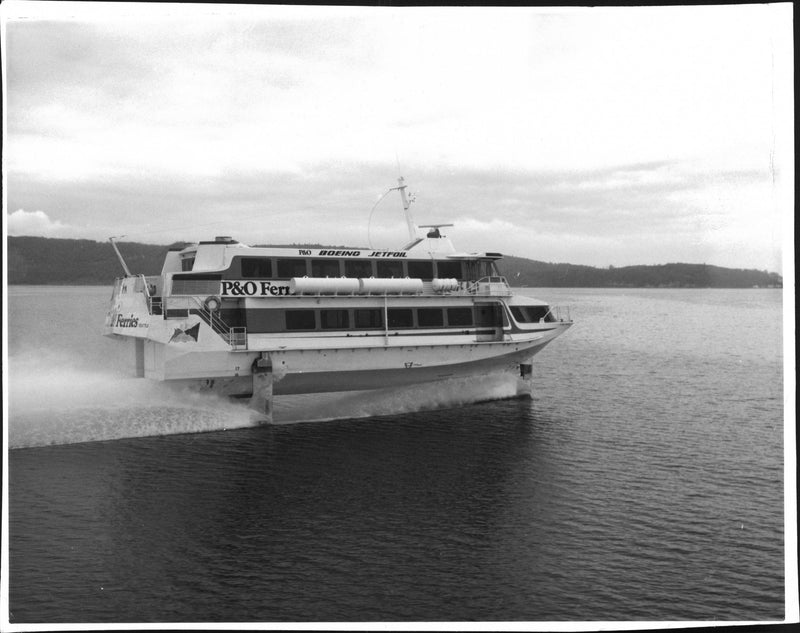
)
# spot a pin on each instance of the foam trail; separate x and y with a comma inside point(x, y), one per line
point(58, 399)
point(58, 403)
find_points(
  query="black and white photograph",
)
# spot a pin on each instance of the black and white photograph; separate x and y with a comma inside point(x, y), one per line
point(398, 317)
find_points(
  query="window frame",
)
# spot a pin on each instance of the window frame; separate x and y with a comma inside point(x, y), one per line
point(463, 309)
point(374, 311)
point(383, 264)
point(317, 265)
point(279, 261)
point(427, 264)
point(395, 312)
point(255, 260)
point(420, 311)
point(302, 311)
point(449, 263)
point(362, 263)
point(344, 319)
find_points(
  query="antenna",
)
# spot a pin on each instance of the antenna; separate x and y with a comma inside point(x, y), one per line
point(434, 232)
point(119, 255)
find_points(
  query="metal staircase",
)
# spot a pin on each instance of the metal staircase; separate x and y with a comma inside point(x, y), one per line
point(236, 337)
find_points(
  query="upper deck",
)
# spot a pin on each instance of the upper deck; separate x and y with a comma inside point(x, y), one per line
point(428, 266)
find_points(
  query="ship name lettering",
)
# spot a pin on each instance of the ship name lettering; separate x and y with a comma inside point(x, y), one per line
point(340, 253)
point(131, 321)
point(275, 291)
point(251, 288)
point(388, 254)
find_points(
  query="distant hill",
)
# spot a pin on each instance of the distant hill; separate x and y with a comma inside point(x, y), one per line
point(531, 273)
point(41, 260)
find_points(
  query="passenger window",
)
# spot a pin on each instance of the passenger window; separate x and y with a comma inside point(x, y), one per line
point(301, 320)
point(388, 269)
point(195, 284)
point(489, 315)
point(333, 319)
point(288, 268)
point(479, 269)
point(256, 267)
point(459, 316)
point(368, 318)
point(430, 317)
point(325, 268)
point(420, 270)
point(358, 268)
point(448, 270)
point(401, 317)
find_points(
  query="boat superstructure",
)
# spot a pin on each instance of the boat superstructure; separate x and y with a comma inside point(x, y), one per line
point(261, 321)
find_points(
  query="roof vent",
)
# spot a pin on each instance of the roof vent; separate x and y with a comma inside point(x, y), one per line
point(224, 239)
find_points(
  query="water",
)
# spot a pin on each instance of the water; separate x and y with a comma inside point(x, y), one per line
point(644, 481)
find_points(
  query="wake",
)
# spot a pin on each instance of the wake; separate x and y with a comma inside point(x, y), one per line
point(58, 403)
point(55, 400)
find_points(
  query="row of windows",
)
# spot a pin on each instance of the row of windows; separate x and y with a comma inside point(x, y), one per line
point(286, 268)
point(259, 321)
point(278, 320)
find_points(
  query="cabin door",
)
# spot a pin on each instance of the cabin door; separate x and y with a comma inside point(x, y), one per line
point(489, 320)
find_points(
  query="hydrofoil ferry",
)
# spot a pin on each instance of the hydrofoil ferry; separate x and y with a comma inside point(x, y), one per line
point(260, 322)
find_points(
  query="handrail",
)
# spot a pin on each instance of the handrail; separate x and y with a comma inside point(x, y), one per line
point(216, 323)
point(145, 285)
point(236, 337)
point(473, 288)
point(155, 305)
point(556, 311)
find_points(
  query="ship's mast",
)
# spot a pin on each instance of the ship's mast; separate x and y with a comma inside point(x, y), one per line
point(412, 228)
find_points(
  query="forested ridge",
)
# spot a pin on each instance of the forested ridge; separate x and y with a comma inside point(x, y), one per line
point(40, 260)
point(531, 273)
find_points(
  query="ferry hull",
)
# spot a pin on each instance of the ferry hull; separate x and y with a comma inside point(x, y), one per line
point(340, 369)
point(361, 380)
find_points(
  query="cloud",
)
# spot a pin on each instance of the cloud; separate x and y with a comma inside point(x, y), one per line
point(600, 136)
point(22, 222)
point(471, 88)
point(627, 213)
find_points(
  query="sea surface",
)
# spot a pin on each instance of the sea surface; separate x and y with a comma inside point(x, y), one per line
point(643, 480)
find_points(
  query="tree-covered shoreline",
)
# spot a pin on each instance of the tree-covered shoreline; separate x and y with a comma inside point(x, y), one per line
point(56, 261)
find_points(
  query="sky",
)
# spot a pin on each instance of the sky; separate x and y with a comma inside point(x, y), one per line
point(597, 136)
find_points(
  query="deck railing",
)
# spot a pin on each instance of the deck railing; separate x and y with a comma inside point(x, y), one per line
point(487, 287)
point(155, 305)
point(559, 313)
point(238, 337)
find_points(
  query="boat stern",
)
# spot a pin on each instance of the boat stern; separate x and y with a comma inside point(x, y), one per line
point(128, 311)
